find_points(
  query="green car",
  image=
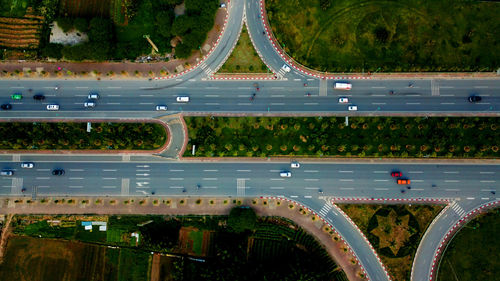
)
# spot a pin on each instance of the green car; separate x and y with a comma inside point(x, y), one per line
point(16, 96)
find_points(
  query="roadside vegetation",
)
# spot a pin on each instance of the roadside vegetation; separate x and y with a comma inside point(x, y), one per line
point(394, 231)
point(442, 137)
point(473, 252)
point(415, 35)
point(74, 136)
point(240, 246)
point(244, 58)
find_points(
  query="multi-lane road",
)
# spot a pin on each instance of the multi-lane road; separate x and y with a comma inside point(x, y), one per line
point(466, 186)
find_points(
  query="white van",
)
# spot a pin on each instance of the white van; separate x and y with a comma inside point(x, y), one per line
point(52, 107)
point(342, 86)
point(182, 99)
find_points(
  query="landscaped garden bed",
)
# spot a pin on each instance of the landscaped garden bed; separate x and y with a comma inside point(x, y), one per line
point(394, 231)
point(443, 137)
point(74, 136)
point(377, 35)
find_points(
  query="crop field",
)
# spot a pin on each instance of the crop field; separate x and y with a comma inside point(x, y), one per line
point(21, 33)
point(379, 35)
point(85, 8)
point(195, 242)
point(35, 259)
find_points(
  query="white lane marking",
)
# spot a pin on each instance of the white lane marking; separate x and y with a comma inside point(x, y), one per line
point(308, 196)
point(244, 88)
point(76, 186)
point(483, 103)
point(471, 198)
point(380, 172)
point(451, 181)
point(211, 87)
point(42, 170)
point(488, 173)
point(347, 188)
point(146, 95)
point(276, 187)
point(145, 87)
point(42, 178)
point(310, 171)
point(242, 96)
point(243, 170)
point(294, 196)
point(314, 188)
point(109, 178)
point(43, 186)
point(274, 171)
point(413, 95)
point(414, 103)
point(446, 87)
point(80, 95)
point(76, 170)
point(378, 103)
point(19, 87)
point(451, 95)
point(417, 180)
point(452, 189)
point(176, 179)
point(418, 189)
point(7, 186)
point(209, 179)
point(310, 103)
point(210, 170)
point(447, 103)
point(209, 187)
point(212, 96)
point(346, 171)
point(244, 103)
point(146, 103)
point(310, 79)
point(277, 103)
point(143, 179)
point(481, 87)
point(381, 188)
point(415, 172)
point(296, 79)
point(114, 95)
point(380, 180)
point(109, 170)
point(76, 178)
point(192, 79)
point(487, 190)
point(487, 181)
point(176, 170)
point(80, 103)
point(112, 103)
point(277, 179)
point(108, 186)
point(277, 96)
point(451, 172)
point(378, 95)
point(311, 179)
point(212, 103)
point(346, 179)
point(485, 198)
point(114, 87)
point(176, 187)
point(377, 87)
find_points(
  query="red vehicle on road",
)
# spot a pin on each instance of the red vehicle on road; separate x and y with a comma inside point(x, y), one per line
point(396, 174)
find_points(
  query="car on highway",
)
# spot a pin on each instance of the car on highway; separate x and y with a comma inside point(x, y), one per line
point(285, 174)
point(58, 172)
point(286, 68)
point(89, 104)
point(39, 97)
point(93, 96)
point(52, 107)
point(396, 174)
point(343, 100)
point(295, 164)
point(352, 108)
point(27, 165)
point(342, 86)
point(182, 99)
point(403, 181)
point(6, 106)
point(7, 172)
point(161, 107)
point(474, 98)
point(17, 96)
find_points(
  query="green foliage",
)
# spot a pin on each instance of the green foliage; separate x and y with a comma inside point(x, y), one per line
point(100, 30)
point(66, 24)
point(52, 50)
point(241, 219)
point(81, 24)
point(164, 23)
point(160, 234)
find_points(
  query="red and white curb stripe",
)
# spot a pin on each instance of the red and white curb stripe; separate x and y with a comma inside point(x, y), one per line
point(452, 231)
point(325, 222)
point(243, 78)
point(391, 200)
point(205, 56)
point(290, 61)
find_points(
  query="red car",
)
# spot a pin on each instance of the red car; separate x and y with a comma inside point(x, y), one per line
point(396, 174)
point(403, 181)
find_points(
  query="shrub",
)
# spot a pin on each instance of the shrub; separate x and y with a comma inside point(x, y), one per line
point(66, 24)
point(81, 24)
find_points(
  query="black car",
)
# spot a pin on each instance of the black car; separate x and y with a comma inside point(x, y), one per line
point(58, 172)
point(475, 98)
point(38, 97)
point(6, 106)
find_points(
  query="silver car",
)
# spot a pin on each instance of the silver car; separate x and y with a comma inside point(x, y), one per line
point(27, 165)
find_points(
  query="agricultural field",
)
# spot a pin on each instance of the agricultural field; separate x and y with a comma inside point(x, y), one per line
point(378, 35)
point(195, 242)
point(85, 8)
point(105, 136)
point(244, 58)
point(21, 33)
point(35, 259)
point(394, 231)
point(473, 252)
point(401, 137)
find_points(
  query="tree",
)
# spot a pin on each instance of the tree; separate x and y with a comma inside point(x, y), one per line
point(164, 23)
point(81, 24)
point(66, 24)
point(242, 219)
point(52, 51)
point(100, 30)
point(182, 51)
point(181, 25)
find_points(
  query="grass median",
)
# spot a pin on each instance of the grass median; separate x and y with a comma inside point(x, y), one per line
point(398, 137)
point(413, 35)
point(74, 136)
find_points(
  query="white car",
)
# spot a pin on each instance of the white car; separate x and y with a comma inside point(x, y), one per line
point(52, 107)
point(352, 108)
point(182, 99)
point(343, 100)
point(161, 107)
point(27, 165)
point(89, 104)
point(93, 96)
point(295, 165)
point(285, 174)
point(286, 68)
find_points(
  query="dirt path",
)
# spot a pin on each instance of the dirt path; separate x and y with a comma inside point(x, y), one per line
point(4, 236)
point(155, 268)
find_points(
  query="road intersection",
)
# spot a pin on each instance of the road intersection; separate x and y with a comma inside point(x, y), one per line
point(464, 186)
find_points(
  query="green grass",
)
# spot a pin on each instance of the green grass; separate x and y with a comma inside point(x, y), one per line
point(114, 235)
point(364, 137)
point(244, 58)
point(197, 237)
point(473, 253)
point(133, 265)
point(378, 35)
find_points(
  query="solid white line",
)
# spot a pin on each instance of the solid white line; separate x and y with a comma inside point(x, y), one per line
point(76, 178)
point(413, 95)
point(311, 179)
point(210, 170)
point(447, 95)
point(109, 178)
point(276, 187)
point(176, 179)
point(80, 95)
point(6, 185)
point(378, 95)
point(176, 170)
point(243, 170)
point(143, 179)
point(76, 170)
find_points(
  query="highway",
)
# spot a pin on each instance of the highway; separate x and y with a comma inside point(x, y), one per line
point(314, 184)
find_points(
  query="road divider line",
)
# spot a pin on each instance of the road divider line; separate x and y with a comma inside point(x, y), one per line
point(176, 179)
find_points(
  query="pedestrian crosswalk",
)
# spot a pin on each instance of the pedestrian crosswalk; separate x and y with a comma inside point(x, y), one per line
point(281, 73)
point(459, 210)
point(206, 68)
point(17, 185)
point(240, 187)
point(326, 208)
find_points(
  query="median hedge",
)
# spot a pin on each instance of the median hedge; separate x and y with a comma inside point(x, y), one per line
point(364, 137)
point(74, 136)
